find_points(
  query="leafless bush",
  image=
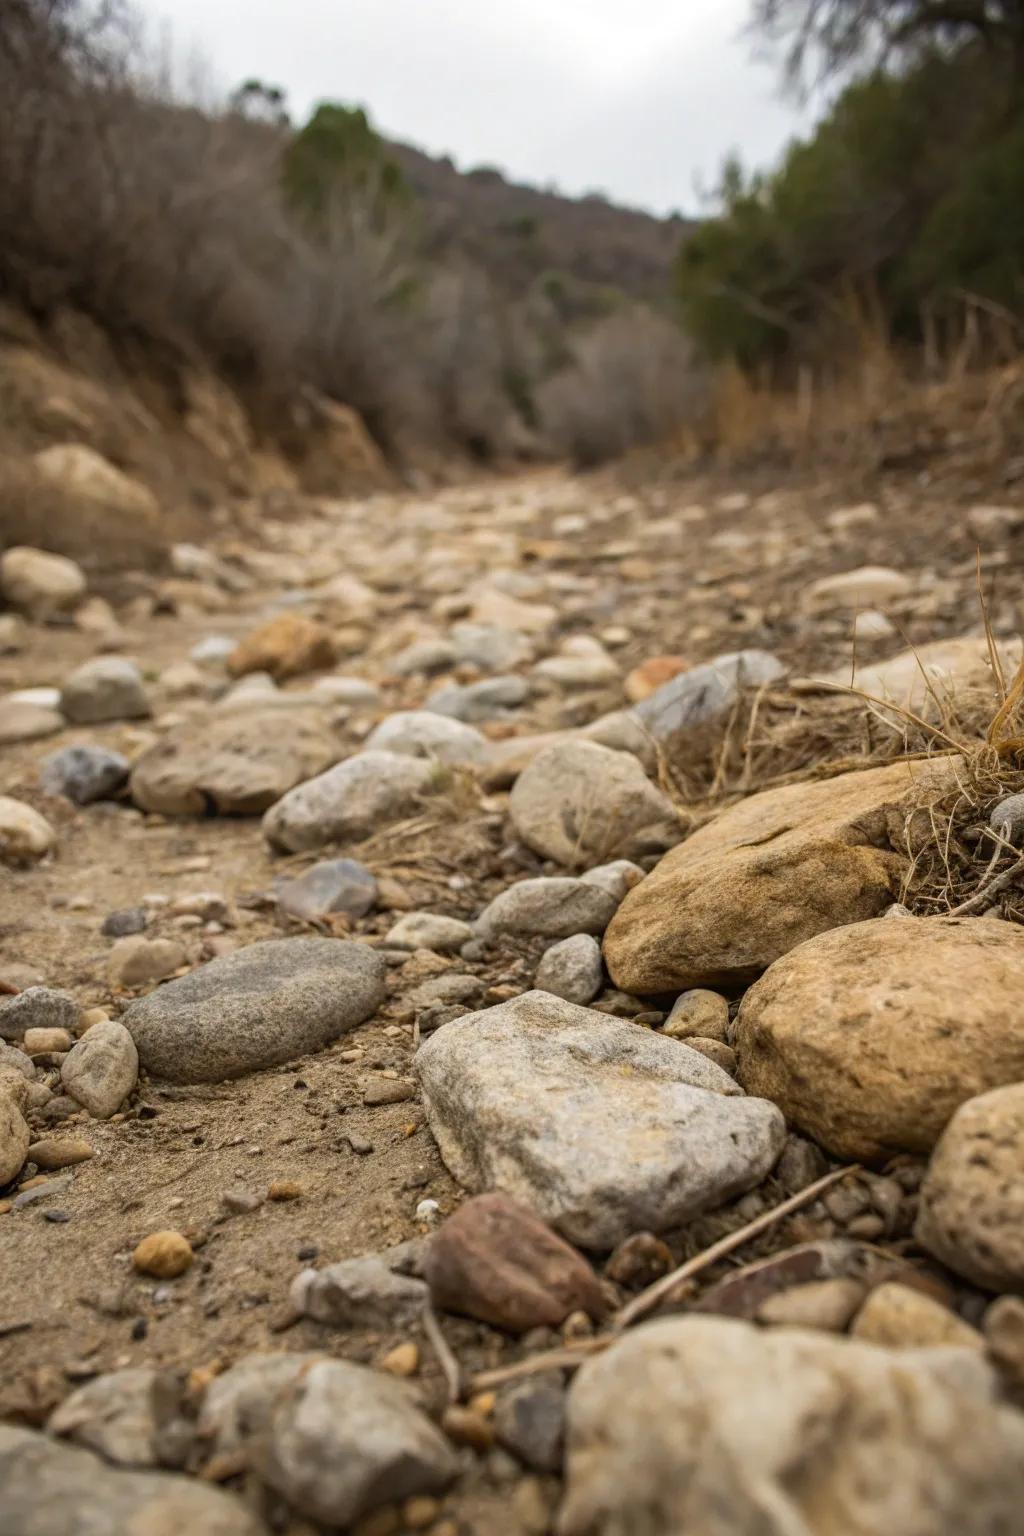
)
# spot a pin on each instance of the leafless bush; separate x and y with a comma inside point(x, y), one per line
point(633, 381)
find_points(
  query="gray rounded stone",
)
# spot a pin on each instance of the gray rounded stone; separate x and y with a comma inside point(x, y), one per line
point(572, 969)
point(421, 733)
point(350, 801)
point(549, 908)
point(84, 774)
point(334, 885)
point(106, 688)
point(37, 1008)
point(102, 1069)
point(261, 1006)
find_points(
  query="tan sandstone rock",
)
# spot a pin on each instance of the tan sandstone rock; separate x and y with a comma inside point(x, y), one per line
point(236, 765)
point(971, 1214)
point(764, 876)
point(869, 1038)
point(285, 647)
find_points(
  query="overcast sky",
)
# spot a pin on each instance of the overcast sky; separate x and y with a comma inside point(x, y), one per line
point(642, 99)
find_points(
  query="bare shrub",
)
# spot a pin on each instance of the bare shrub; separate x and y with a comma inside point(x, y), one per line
point(632, 381)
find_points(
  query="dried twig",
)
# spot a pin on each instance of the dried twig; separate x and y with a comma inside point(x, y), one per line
point(648, 1300)
point(988, 893)
point(446, 1359)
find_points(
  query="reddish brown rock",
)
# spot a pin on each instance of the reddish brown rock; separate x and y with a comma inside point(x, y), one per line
point(496, 1261)
point(649, 676)
point(285, 647)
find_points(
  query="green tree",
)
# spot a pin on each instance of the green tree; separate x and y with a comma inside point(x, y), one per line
point(339, 154)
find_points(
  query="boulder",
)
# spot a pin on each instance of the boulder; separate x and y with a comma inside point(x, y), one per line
point(81, 474)
point(45, 587)
point(869, 1038)
point(117, 1415)
point(870, 586)
point(25, 836)
point(102, 1069)
point(285, 646)
point(930, 680)
point(48, 1488)
point(971, 1213)
point(705, 694)
point(106, 688)
point(765, 875)
point(351, 801)
point(422, 733)
point(579, 803)
point(601, 1128)
point(256, 1008)
point(707, 1425)
point(236, 766)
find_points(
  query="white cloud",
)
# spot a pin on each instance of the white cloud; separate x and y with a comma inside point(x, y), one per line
point(642, 99)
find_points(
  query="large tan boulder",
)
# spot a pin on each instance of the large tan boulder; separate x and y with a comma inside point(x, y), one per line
point(931, 680)
point(82, 473)
point(237, 765)
point(971, 1214)
point(40, 584)
point(699, 1426)
point(766, 875)
point(869, 1038)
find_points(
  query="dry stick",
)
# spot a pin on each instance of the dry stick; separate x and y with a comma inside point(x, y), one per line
point(647, 1300)
point(573, 1355)
point(987, 895)
point(446, 1359)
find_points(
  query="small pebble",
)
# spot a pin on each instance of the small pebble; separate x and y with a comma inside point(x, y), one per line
point(164, 1255)
point(467, 1428)
point(403, 1360)
point(285, 1189)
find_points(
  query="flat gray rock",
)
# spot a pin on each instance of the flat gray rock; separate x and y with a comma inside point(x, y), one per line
point(106, 688)
point(549, 908)
point(422, 733)
point(601, 1127)
point(334, 885)
point(84, 774)
point(261, 1006)
point(51, 1489)
point(359, 1293)
point(37, 1008)
point(490, 699)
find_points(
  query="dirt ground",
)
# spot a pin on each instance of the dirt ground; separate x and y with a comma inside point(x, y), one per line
point(723, 569)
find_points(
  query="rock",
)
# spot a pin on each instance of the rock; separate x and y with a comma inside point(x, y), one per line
point(52, 1153)
point(554, 908)
point(422, 733)
point(617, 878)
point(801, 1164)
point(494, 607)
point(134, 961)
point(260, 1006)
point(239, 1404)
point(495, 1261)
point(285, 647)
point(236, 766)
point(766, 875)
point(824, 1304)
point(489, 699)
point(1007, 817)
point(572, 969)
point(529, 1420)
point(631, 1131)
point(20, 721)
point(991, 525)
point(85, 1497)
point(388, 1090)
point(667, 1433)
point(125, 922)
point(11, 1057)
point(347, 599)
point(85, 476)
point(334, 885)
point(351, 801)
point(37, 1008)
point(106, 688)
point(971, 1213)
point(578, 671)
point(45, 587)
point(84, 774)
point(715, 1050)
point(639, 1260)
point(490, 647)
point(423, 658)
point(900, 1317)
point(869, 624)
point(1004, 1338)
point(706, 694)
point(653, 674)
point(165, 1255)
point(40, 1042)
point(116, 1415)
point(428, 930)
point(345, 1439)
point(932, 679)
point(358, 1293)
point(578, 803)
point(348, 692)
point(701, 1013)
point(870, 1037)
point(25, 836)
point(747, 1291)
point(13, 631)
point(14, 1132)
point(870, 586)
point(102, 1069)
